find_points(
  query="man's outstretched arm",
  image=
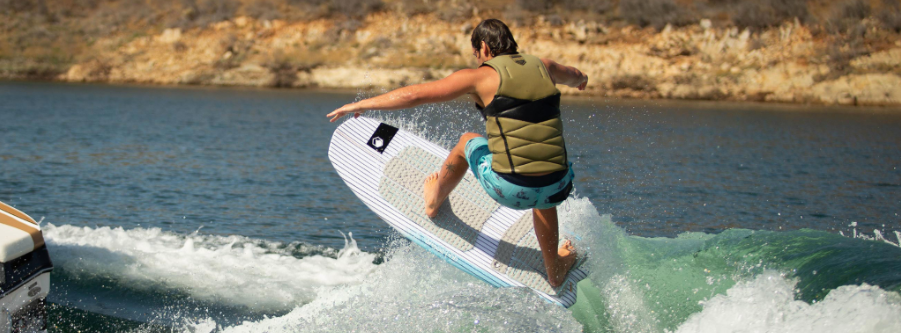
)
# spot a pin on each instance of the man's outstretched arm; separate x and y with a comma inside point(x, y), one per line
point(565, 75)
point(451, 87)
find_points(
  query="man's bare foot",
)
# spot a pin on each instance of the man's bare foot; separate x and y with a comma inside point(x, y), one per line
point(566, 257)
point(433, 199)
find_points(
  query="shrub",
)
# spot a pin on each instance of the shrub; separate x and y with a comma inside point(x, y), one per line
point(516, 16)
point(842, 49)
point(768, 13)
point(74, 7)
point(355, 8)
point(454, 10)
point(239, 49)
point(686, 79)
point(554, 20)
point(203, 12)
point(535, 5)
point(416, 7)
point(890, 15)
point(216, 10)
point(755, 16)
point(790, 9)
point(633, 82)
point(306, 9)
point(263, 10)
point(655, 13)
point(283, 70)
point(853, 9)
point(455, 14)
point(114, 17)
point(18, 6)
point(846, 15)
point(337, 31)
point(590, 6)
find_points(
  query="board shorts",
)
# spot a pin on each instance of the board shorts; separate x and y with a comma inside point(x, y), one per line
point(509, 194)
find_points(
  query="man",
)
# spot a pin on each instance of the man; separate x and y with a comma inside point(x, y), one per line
point(523, 162)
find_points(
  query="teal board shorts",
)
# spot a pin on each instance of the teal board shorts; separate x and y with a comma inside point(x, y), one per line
point(509, 194)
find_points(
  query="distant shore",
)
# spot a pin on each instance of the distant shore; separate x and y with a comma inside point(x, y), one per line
point(385, 50)
point(664, 105)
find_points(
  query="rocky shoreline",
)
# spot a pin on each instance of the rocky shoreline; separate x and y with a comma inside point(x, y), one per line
point(787, 64)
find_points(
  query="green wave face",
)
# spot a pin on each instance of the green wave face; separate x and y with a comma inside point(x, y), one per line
point(657, 284)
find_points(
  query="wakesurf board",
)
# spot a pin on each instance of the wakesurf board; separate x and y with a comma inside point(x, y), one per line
point(386, 167)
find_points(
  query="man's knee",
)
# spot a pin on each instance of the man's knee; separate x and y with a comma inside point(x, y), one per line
point(468, 136)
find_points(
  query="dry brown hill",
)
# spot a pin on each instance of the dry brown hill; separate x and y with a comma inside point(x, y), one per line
point(845, 52)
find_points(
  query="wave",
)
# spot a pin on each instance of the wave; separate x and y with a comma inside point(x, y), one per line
point(736, 281)
point(414, 291)
point(768, 303)
point(152, 269)
point(662, 284)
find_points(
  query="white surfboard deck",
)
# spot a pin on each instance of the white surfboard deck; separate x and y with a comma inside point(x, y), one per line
point(493, 243)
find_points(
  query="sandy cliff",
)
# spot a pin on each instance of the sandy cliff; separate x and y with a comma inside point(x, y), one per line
point(387, 50)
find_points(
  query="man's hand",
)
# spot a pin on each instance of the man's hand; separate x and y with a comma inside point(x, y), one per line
point(577, 78)
point(583, 79)
point(566, 75)
point(348, 108)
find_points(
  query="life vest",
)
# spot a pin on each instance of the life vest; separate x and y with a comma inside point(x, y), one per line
point(525, 133)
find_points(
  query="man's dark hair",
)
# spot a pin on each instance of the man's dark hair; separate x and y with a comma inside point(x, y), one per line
point(496, 34)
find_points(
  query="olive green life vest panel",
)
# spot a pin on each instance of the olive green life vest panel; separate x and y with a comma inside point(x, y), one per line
point(525, 133)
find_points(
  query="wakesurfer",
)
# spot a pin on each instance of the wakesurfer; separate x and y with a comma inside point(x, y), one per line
point(523, 163)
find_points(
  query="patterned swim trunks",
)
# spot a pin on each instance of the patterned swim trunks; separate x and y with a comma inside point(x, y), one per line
point(512, 195)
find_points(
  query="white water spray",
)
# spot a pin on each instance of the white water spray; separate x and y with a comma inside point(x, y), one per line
point(233, 270)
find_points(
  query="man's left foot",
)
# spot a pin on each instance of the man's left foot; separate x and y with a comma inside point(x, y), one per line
point(431, 195)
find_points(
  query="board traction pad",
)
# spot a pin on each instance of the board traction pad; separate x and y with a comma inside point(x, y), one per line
point(462, 217)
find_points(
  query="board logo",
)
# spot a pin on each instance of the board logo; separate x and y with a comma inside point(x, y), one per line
point(377, 142)
point(382, 137)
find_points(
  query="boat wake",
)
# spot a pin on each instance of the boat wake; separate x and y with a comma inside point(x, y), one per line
point(738, 280)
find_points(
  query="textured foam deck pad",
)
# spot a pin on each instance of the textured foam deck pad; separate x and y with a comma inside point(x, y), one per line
point(519, 256)
point(460, 218)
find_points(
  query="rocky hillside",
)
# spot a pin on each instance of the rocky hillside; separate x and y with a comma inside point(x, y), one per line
point(701, 59)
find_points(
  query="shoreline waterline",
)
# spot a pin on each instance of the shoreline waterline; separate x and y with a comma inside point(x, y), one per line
point(581, 99)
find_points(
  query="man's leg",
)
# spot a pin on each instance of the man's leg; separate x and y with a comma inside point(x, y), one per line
point(439, 185)
point(557, 261)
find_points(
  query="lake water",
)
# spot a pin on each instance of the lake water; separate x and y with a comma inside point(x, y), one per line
point(205, 209)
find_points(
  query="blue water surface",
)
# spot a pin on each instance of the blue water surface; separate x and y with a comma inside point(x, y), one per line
point(253, 162)
point(701, 197)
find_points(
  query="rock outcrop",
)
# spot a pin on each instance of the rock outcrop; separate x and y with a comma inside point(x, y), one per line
point(386, 50)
